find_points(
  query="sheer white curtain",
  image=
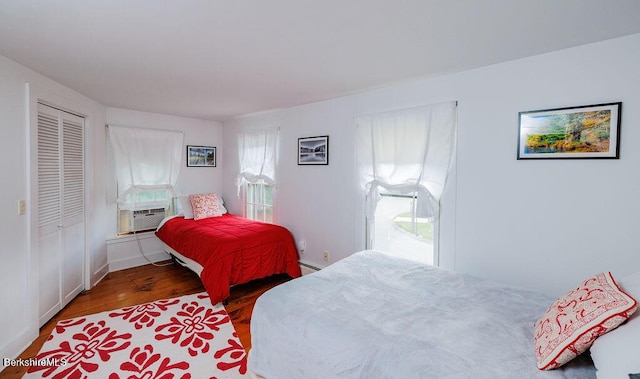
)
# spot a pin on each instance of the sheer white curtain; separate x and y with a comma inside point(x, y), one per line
point(147, 161)
point(406, 152)
point(257, 157)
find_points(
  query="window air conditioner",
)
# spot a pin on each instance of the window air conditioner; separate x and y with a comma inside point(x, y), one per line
point(145, 219)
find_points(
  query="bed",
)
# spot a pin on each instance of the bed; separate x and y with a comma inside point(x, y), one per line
point(375, 316)
point(227, 250)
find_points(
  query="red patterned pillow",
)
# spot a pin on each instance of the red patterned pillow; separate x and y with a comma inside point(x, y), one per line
point(574, 321)
point(205, 205)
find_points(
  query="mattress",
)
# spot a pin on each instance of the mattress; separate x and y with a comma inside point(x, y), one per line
point(375, 316)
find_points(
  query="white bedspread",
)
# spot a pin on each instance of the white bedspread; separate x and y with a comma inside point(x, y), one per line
point(375, 316)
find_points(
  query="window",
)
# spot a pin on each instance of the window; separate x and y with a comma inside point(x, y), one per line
point(147, 163)
point(404, 159)
point(146, 199)
point(259, 202)
point(257, 158)
point(402, 228)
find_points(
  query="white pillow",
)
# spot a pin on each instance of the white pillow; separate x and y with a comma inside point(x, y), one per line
point(187, 208)
point(221, 205)
point(185, 205)
point(617, 353)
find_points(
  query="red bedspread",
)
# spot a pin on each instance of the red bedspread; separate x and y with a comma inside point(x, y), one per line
point(232, 250)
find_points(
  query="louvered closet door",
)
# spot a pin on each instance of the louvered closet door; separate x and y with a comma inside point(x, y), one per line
point(49, 212)
point(72, 206)
point(60, 208)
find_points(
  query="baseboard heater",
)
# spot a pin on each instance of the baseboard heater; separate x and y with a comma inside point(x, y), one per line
point(307, 268)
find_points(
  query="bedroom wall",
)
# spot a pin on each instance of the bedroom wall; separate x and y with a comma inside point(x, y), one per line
point(18, 319)
point(543, 225)
point(123, 252)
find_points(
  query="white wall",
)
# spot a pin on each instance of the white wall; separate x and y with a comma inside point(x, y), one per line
point(123, 252)
point(544, 225)
point(18, 286)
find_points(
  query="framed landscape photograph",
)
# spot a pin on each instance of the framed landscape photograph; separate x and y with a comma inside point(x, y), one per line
point(201, 156)
point(589, 131)
point(313, 150)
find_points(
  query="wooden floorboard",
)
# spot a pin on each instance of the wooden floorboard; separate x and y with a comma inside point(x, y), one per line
point(148, 283)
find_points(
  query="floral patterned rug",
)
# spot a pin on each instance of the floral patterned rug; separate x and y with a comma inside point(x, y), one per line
point(185, 337)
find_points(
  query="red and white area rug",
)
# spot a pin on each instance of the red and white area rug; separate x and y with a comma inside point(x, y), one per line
point(183, 338)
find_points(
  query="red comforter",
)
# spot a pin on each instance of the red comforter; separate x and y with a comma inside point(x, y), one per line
point(232, 250)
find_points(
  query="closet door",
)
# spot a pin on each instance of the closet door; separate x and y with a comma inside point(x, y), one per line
point(72, 206)
point(60, 209)
point(49, 212)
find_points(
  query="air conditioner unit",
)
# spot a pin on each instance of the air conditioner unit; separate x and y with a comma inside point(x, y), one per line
point(143, 219)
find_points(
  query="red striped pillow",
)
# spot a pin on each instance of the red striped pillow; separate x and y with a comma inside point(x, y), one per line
point(574, 321)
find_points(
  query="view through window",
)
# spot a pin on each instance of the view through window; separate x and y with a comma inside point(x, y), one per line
point(403, 228)
point(259, 202)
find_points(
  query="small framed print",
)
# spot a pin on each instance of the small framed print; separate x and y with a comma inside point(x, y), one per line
point(201, 156)
point(589, 131)
point(313, 150)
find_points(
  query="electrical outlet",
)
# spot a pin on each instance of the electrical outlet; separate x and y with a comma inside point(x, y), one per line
point(22, 207)
point(326, 256)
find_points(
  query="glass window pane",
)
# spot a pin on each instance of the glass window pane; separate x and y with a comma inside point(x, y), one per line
point(268, 217)
point(402, 232)
point(268, 200)
point(259, 202)
point(250, 193)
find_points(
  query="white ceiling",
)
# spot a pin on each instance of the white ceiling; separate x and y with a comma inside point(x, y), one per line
point(215, 59)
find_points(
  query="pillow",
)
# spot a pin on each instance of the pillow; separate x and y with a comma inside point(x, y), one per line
point(615, 354)
point(205, 205)
point(221, 205)
point(185, 205)
point(187, 209)
point(573, 322)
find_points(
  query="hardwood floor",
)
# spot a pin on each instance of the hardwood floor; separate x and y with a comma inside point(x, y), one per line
point(144, 284)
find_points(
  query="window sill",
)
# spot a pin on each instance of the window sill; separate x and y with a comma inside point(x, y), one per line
point(131, 237)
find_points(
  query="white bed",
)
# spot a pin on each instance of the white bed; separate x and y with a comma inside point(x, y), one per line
point(375, 316)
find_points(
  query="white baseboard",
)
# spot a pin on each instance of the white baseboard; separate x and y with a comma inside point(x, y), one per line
point(15, 347)
point(307, 268)
point(99, 274)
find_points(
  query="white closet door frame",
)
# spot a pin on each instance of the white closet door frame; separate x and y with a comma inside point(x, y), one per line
point(34, 95)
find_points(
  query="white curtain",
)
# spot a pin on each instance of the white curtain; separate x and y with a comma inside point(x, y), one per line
point(257, 157)
point(146, 160)
point(406, 151)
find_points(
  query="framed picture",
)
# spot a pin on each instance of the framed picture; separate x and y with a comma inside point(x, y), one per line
point(589, 131)
point(313, 150)
point(201, 156)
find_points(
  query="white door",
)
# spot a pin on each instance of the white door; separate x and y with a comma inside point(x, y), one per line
point(60, 209)
point(72, 206)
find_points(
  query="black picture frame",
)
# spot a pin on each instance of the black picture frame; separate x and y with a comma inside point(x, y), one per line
point(313, 151)
point(201, 156)
point(587, 131)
